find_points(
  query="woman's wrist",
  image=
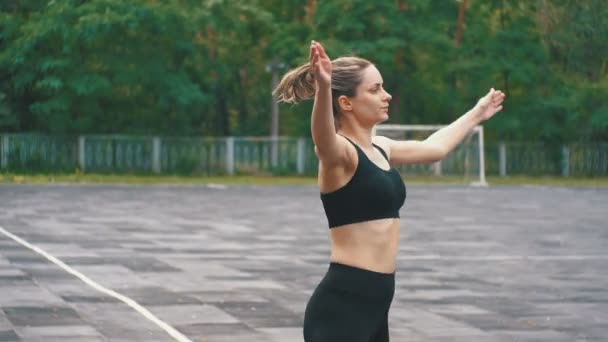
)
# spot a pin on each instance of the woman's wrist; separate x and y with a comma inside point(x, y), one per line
point(319, 86)
point(475, 115)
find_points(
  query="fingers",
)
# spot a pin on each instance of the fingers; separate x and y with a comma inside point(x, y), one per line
point(321, 51)
point(316, 46)
point(311, 52)
point(316, 66)
point(494, 92)
point(314, 63)
point(490, 93)
point(316, 54)
point(498, 97)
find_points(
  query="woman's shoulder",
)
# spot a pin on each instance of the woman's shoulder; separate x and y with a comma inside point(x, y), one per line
point(384, 143)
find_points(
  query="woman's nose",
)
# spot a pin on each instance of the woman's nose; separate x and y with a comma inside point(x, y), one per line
point(388, 96)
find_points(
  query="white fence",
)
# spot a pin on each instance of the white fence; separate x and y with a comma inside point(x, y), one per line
point(537, 159)
point(261, 155)
point(133, 154)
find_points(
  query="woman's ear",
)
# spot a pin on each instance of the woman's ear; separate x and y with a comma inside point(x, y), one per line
point(345, 103)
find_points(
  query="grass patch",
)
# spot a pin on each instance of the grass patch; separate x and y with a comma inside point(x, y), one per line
point(80, 178)
point(549, 181)
point(152, 179)
point(514, 180)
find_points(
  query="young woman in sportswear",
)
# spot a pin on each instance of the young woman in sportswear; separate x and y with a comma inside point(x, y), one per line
point(360, 190)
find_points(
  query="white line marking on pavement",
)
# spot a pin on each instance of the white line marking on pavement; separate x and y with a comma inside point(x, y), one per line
point(217, 186)
point(130, 302)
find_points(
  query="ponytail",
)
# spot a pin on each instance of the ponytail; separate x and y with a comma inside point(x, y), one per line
point(297, 85)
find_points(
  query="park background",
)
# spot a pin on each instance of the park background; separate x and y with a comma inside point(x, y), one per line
point(139, 87)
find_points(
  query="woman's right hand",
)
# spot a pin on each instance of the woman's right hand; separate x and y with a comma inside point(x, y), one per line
point(321, 65)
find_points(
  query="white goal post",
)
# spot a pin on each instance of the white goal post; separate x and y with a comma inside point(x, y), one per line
point(467, 159)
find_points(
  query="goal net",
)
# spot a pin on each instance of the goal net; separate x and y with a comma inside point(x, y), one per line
point(466, 163)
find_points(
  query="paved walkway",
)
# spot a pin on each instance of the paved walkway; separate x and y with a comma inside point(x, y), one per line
point(239, 263)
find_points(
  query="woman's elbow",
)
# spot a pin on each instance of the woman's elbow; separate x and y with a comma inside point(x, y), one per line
point(437, 153)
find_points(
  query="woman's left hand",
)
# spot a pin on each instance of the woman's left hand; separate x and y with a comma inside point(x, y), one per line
point(490, 104)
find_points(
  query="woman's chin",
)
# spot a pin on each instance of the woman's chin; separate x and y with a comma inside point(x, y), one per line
point(383, 117)
point(380, 119)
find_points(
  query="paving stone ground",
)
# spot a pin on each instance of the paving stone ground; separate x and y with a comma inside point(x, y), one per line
point(238, 263)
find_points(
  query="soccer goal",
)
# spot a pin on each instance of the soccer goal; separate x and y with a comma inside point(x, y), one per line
point(466, 162)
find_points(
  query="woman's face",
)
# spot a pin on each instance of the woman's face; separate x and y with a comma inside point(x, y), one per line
point(370, 105)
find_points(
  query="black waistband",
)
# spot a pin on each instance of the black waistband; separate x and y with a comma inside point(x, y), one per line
point(359, 281)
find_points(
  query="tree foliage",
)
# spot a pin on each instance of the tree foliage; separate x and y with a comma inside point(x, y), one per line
point(186, 67)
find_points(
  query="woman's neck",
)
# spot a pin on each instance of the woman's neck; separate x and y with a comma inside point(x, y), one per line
point(362, 136)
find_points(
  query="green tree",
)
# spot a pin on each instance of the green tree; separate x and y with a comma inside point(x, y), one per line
point(575, 34)
point(8, 119)
point(189, 67)
point(104, 66)
point(234, 34)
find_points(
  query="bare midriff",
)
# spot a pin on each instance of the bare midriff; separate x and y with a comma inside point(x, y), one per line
point(371, 245)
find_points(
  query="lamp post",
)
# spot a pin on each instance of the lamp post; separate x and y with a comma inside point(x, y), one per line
point(274, 67)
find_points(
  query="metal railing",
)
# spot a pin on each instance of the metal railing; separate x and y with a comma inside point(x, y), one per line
point(536, 159)
point(141, 154)
point(254, 155)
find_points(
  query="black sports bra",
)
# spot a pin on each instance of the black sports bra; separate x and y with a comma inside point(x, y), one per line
point(372, 193)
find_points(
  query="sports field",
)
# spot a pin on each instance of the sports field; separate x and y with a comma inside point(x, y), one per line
point(238, 262)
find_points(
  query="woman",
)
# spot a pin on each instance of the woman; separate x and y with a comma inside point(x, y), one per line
point(360, 192)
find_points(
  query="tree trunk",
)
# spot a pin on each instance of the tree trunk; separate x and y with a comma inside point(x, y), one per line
point(241, 77)
point(221, 110)
point(460, 23)
point(311, 6)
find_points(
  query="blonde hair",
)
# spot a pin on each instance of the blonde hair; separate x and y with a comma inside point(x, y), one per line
point(298, 84)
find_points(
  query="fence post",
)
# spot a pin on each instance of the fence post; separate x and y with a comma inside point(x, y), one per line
point(437, 168)
point(482, 158)
point(4, 152)
point(81, 153)
point(230, 155)
point(301, 153)
point(274, 151)
point(156, 154)
point(502, 159)
point(565, 161)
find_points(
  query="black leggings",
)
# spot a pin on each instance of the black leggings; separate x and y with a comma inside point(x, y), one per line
point(350, 305)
